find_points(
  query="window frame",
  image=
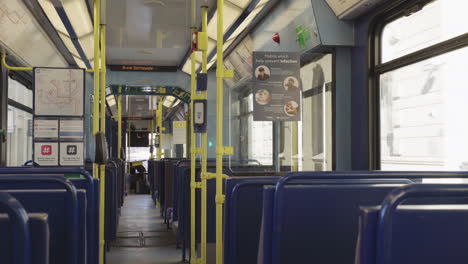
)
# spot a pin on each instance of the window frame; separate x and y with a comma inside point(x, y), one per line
point(388, 14)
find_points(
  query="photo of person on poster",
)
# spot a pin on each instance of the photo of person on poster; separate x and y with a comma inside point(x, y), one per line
point(291, 108)
point(291, 84)
point(262, 73)
point(263, 97)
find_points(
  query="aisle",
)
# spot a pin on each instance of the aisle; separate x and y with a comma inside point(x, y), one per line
point(142, 236)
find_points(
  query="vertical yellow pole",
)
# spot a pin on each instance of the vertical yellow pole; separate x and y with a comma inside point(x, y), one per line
point(204, 145)
point(97, 12)
point(96, 115)
point(193, 184)
point(159, 125)
point(295, 149)
point(119, 123)
point(102, 174)
point(219, 198)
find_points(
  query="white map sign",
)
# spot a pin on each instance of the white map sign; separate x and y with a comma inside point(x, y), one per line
point(58, 91)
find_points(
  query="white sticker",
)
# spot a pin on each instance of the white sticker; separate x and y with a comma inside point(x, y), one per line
point(46, 153)
point(71, 154)
point(45, 128)
point(71, 129)
point(199, 113)
point(179, 131)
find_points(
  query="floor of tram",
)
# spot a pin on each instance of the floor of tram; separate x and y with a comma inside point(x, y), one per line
point(142, 235)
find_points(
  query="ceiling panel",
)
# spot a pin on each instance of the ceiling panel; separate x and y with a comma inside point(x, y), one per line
point(153, 32)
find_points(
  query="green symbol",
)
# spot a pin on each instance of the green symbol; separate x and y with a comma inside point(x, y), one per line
point(210, 143)
point(303, 35)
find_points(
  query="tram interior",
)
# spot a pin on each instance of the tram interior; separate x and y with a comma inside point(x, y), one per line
point(233, 131)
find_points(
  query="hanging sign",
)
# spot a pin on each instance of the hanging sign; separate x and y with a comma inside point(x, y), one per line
point(58, 120)
point(276, 86)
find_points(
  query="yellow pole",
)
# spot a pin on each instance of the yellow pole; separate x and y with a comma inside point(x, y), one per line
point(204, 145)
point(102, 174)
point(294, 150)
point(119, 123)
point(193, 183)
point(97, 12)
point(159, 125)
point(219, 199)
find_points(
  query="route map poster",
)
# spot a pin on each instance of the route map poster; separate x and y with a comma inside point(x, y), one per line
point(58, 108)
point(276, 86)
point(58, 92)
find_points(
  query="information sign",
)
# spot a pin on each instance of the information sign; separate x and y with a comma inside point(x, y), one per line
point(276, 86)
point(46, 153)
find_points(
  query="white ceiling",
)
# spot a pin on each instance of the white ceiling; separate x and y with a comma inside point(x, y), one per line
point(153, 32)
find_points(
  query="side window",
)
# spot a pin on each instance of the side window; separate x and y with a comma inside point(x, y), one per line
point(316, 129)
point(256, 137)
point(19, 133)
point(420, 101)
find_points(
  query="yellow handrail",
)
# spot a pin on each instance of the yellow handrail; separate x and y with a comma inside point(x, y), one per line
point(159, 113)
point(204, 146)
point(11, 68)
point(193, 155)
point(102, 174)
point(96, 169)
point(220, 72)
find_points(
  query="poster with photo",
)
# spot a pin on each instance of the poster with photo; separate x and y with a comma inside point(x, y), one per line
point(276, 86)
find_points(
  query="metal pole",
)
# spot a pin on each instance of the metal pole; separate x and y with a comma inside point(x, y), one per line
point(204, 146)
point(193, 183)
point(219, 199)
point(102, 174)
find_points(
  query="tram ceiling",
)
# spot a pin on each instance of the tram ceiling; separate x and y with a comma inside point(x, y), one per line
point(149, 32)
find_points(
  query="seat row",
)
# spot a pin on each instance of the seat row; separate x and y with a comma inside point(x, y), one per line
point(346, 217)
point(60, 209)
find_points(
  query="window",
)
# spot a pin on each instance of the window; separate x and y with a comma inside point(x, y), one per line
point(421, 100)
point(256, 138)
point(19, 133)
point(315, 131)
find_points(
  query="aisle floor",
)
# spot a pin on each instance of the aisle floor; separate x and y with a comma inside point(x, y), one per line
point(142, 235)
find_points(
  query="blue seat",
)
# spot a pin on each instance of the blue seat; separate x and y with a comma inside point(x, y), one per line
point(335, 201)
point(59, 199)
point(265, 237)
point(243, 217)
point(429, 233)
point(86, 182)
point(39, 235)
point(20, 234)
point(420, 234)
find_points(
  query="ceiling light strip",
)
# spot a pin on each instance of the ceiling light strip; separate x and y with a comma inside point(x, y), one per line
point(71, 32)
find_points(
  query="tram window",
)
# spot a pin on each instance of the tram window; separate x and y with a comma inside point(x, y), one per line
point(436, 22)
point(315, 131)
point(19, 132)
point(19, 93)
point(256, 136)
point(421, 104)
point(19, 137)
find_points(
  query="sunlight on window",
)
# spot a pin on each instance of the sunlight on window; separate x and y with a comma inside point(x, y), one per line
point(435, 23)
point(421, 106)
